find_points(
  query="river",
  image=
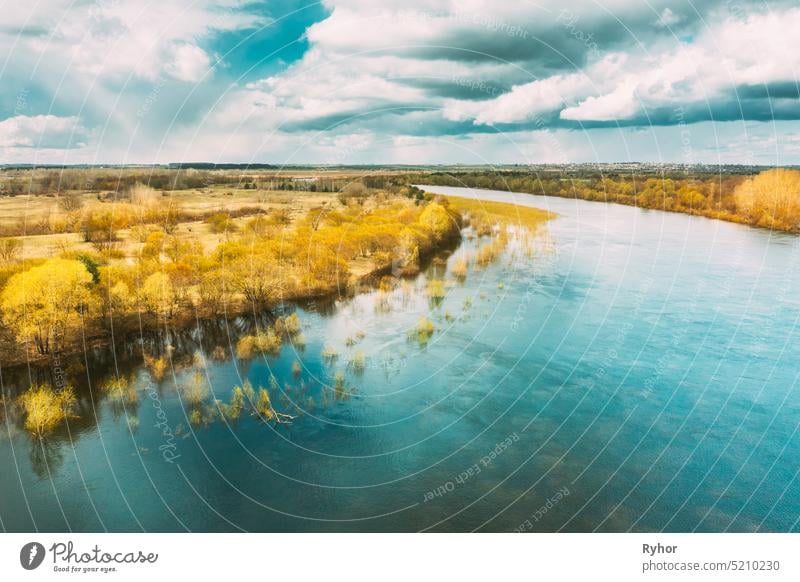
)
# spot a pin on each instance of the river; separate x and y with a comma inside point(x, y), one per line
point(637, 372)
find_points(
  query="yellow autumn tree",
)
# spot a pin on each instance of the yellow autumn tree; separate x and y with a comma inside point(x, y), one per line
point(257, 276)
point(41, 303)
point(771, 199)
point(157, 294)
point(437, 220)
point(46, 408)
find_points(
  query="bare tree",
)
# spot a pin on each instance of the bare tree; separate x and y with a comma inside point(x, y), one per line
point(70, 201)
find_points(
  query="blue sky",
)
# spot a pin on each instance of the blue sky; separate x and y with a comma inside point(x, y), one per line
point(389, 81)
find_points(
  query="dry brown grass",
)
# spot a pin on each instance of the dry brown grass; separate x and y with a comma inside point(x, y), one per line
point(483, 213)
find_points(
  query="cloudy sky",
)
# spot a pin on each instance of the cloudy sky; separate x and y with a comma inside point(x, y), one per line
point(399, 81)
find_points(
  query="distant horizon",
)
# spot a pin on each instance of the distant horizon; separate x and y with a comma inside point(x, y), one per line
point(272, 166)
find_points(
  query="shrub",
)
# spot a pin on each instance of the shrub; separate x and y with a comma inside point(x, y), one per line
point(139, 233)
point(153, 244)
point(340, 390)
point(216, 289)
point(143, 196)
point(233, 411)
point(195, 390)
point(460, 268)
point(358, 362)
point(157, 294)
point(220, 222)
point(157, 367)
point(263, 405)
point(265, 342)
point(436, 219)
point(10, 249)
point(120, 389)
point(424, 329)
point(70, 201)
point(45, 409)
point(354, 191)
point(329, 353)
point(99, 228)
point(435, 289)
point(292, 324)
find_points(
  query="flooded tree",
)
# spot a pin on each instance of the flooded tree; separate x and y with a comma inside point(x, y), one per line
point(45, 408)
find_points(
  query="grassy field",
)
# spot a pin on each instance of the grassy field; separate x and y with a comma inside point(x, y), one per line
point(73, 259)
point(168, 255)
point(35, 209)
point(484, 213)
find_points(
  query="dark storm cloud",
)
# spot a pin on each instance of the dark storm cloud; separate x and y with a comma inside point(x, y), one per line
point(425, 122)
point(417, 122)
point(456, 87)
point(779, 90)
point(727, 109)
point(359, 117)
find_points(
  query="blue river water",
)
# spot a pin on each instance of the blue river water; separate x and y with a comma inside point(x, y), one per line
point(637, 371)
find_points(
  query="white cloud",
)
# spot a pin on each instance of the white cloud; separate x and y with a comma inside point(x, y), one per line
point(41, 131)
point(621, 103)
point(119, 39)
point(731, 53)
point(523, 102)
point(189, 63)
point(367, 62)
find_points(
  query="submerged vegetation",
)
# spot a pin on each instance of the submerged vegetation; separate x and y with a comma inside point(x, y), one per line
point(460, 268)
point(358, 362)
point(120, 389)
point(263, 342)
point(45, 408)
point(423, 330)
point(485, 216)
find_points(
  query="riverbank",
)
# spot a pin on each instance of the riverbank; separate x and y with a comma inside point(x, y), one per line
point(328, 253)
point(768, 200)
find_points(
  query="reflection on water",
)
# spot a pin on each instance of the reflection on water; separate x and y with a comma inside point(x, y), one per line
point(636, 367)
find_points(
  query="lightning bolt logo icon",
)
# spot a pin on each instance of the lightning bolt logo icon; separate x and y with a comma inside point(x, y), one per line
point(31, 555)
